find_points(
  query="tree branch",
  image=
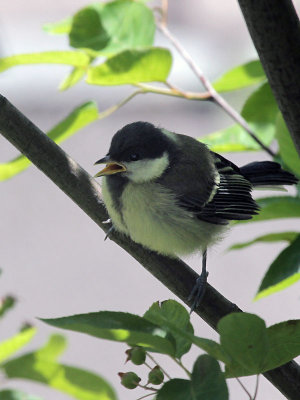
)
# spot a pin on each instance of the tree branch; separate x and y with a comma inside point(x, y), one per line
point(86, 193)
point(214, 95)
point(275, 31)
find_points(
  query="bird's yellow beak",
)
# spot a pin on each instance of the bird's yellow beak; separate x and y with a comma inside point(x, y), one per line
point(112, 167)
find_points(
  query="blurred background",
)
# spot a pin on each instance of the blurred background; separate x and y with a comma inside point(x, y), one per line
point(53, 257)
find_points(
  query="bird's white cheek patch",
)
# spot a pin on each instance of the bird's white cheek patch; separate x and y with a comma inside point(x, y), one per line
point(147, 170)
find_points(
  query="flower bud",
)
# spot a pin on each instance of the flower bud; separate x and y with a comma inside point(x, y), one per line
point(136, 355)
point(129, 379)
point(156, 376)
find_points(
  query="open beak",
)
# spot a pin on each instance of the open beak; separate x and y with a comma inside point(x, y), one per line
point(112, 167)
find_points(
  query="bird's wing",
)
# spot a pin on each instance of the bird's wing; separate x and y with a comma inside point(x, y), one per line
point(228, 198)
point(232, 198)
point(211, 187)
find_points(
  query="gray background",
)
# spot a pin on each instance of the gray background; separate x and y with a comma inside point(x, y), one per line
point(53, 256)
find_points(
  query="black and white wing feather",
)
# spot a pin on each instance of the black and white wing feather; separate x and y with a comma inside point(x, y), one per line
point(231, 198)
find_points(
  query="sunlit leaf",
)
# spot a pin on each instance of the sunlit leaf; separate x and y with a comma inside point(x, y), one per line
point(75, 58)
point(283, 272)
point(41, 366)
point(73, 77)
point(287, 150)
point(268, 238)
point(120, 327)
point(12, 394)
point(10, 346)
point(208, 381)
point(131, 67)
point(79, 118)
point(60, 27)
point(113, 27)
point(260, 111)
point(240, 77)
point(55, 346)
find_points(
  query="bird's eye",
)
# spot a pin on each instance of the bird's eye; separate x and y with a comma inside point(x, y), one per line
point(134, 157)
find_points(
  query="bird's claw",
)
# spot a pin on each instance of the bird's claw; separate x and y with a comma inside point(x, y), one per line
point(198, 291)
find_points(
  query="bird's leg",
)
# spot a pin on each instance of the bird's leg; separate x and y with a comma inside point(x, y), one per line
point(200, 286)
point(110, 230)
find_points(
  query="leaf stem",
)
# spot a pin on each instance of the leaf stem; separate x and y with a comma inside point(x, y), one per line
point(148, 387)
point(155, 362)
point(244, 388)
point(182, 366)
point(256, 387)
point(115, 107)
point(146, 395)
point(172, 91)
point(218, 99)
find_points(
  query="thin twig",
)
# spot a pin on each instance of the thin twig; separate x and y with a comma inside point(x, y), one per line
point(147, 365)
point(148, 387)
point(172, 91)
point(256, 387)
point(208, 86)
point(164, 14)
point(115, 107)
point(244, 388)
point(147, 395)
point(155, 362)
point(182, 366)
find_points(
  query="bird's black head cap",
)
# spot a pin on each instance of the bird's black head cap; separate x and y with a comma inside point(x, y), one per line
point(140, 139)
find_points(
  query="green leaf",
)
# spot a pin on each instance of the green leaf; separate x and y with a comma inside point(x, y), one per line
point(208, 381)
point(287, 150)
point(243, 337)
point(79, 118)
point(40, 366)
point(260, 111)
point(163, 320)
point(74, 77)
point(175, 389)
point(269, 238)
point(6, 303)
point(283, 272)
point(131, 67)
point(284, 343)
point(275, 208)
point(60, 27)
point(9, 394)
point(120, 327)
point(87, 29)
point(173, 312)
point(240, 77)
point(113, 27)
point(55, 346)
point(255, 349)
point(15, 343)
point(75, 58)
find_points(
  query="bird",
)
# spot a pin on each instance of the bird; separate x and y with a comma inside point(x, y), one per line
point(173, 195)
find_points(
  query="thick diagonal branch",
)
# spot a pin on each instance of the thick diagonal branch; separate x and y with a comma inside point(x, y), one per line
point(275, 31)
point(85, 192)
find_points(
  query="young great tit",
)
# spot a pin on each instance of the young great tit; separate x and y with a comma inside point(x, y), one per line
point(173, 195)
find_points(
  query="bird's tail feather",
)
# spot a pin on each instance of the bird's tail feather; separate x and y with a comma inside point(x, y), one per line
point(267, 173)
